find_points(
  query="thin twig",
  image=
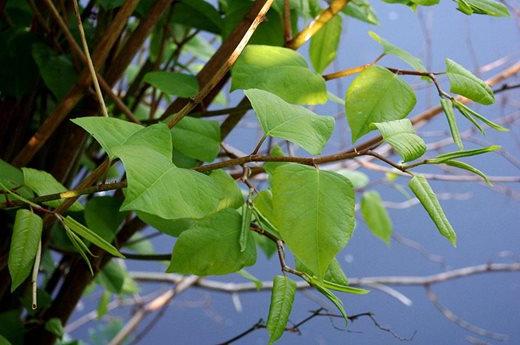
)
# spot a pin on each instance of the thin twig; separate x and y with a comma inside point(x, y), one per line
point(89, 60)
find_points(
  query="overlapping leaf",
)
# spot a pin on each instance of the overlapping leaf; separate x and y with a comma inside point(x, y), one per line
point(376, 95)
point(292, 122)
point(400, 134)
point(281, 71)
point(314, 213)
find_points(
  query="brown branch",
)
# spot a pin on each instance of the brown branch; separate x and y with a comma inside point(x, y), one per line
point(76, 50)
point(154, 305)
point(223, 59)
point(287, 23)
point(323, 18)
point(90, 65)
point(75, 94)
point(438, 278)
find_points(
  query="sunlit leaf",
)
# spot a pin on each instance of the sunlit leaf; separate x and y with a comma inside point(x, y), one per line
point(282, 299)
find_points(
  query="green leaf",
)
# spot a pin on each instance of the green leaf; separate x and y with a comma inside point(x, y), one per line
point(211, 246)
point(57, 71)
point(103, 217)
point(334, 278)
point(422, 190)
point(375, 215)
point(90, 236)
point(173, 83)
point(55, 327)
point(156, 186)
point(197, 14)
point(247, 215)
point(246, 275)
point(292, 122)
point(109, 132)
point(43, 183)
point(80, 247)
point(230, 195)
point(325, 43)
point(376, 95)
point(197, 138)
point(464, 153)
point(27, 233)
point(464, 83)
point(469, 113)
point(327, 293)
point(172, 227)
point(400, 134)
point(104, 300)
point(391, 49)
point(362, 10)
point(470, 168)
point(447, 106)
point(282, 299)
point(115, 278)
point(12, 177)
point(314, 213)
point(425, 2)
point(487, 7)
point(358, 179)
point(281, 71)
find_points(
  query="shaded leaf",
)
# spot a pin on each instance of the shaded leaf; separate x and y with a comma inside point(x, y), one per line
point(173, 83)
point(90, 236)
point(197, 138)
point(43, 183)
point(211, 246)
point(325, 43)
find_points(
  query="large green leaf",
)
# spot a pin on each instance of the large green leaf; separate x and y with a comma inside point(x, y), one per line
point(376, 217)
point(109, 132)
point(197, 138)
point(281, 71)
point(325, 43)
point(466, 84)
point(103, 217)
point(487, 7)
point(27, 233)
point(376, 95)
point(292, 122)
point(400, 134)
point(447, 107)
point(391, 49)
point(230, 195)
point(211, 246)
point(362, 10)
point(173, 83)
point(89, 235)
point(156, 185)
point(43, 183)
point(282, 299)
point(314, 213)
point(422, 190)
